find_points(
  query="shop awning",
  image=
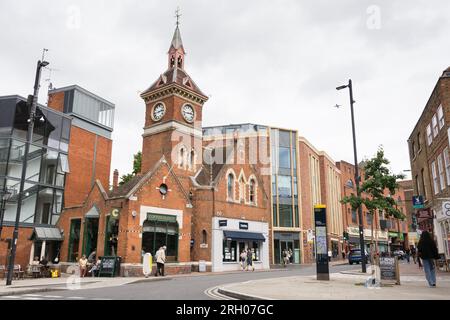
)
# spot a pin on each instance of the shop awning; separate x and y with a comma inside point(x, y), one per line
point(46, 234)
point(240, 235)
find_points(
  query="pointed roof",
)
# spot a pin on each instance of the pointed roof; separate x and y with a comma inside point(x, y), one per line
point(178, 76)
point(177, 43)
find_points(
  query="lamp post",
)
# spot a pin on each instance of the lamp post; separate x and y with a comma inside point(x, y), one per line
point(357, 178)
point(31, 120)
point(6, 194)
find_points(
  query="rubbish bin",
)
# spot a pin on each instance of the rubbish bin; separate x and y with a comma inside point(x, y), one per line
point(202, 266)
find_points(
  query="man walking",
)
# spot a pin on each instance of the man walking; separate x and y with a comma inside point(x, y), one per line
point(160, 260)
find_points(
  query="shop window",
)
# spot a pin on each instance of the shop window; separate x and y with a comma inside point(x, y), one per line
point(229, 251)
point(160, 233)
point(74, 240)
point(286, 215)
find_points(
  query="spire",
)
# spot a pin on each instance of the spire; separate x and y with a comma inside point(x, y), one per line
point(176, 50)
point(177, 43)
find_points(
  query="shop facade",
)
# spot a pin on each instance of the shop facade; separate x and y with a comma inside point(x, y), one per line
point(231, 236)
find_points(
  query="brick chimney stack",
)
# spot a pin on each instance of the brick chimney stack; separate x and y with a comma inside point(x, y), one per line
point(115, 179)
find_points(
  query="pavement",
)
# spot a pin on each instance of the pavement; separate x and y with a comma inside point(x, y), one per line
point(344, 285)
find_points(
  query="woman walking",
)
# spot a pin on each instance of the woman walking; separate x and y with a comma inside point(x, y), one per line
point(428, 252)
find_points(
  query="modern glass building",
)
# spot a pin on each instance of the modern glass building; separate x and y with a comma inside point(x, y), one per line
point(47, 165)
point(285, 199)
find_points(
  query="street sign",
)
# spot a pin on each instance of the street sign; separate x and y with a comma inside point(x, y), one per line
point(320, 218)
point(418, 202)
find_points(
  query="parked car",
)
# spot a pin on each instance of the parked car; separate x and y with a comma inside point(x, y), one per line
point(400, 254)
point(354, 256)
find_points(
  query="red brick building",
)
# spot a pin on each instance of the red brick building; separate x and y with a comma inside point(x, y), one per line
point(200, 208)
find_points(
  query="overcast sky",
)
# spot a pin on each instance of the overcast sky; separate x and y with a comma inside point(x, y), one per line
point(267, 62)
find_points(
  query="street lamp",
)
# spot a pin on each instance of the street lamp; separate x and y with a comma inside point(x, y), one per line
point(6, 194)
point(40, 65)
point(357, 178)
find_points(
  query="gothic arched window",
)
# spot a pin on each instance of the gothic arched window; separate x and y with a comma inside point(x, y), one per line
point(230, 186)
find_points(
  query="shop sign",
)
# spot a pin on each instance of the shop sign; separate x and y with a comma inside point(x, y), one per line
point(243, 225)
point(353, 231)
point(161, 217)
point(424, 215)
point(382, 234)
point(223, 223)
point(418, 202)
point(310, 236)
point(389, 269)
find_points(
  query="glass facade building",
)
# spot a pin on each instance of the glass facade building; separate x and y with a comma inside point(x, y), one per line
point(47, 161)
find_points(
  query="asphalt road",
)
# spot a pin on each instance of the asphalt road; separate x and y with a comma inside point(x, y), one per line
point(177, 288)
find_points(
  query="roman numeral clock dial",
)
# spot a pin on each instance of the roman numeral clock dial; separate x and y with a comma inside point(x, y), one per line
point(188, 113)
point(159, 110)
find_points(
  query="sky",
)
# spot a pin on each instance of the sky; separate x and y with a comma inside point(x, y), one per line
point(274, 63)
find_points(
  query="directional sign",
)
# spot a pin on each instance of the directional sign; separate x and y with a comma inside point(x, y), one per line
point(418, 202)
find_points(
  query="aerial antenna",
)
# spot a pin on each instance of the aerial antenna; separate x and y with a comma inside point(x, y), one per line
point(49, 80)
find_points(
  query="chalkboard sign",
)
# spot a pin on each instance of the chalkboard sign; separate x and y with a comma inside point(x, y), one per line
point(389, 270)
point(108, 266)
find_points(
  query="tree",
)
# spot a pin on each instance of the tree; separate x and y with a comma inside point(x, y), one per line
point(137, 162)
point(377, 190)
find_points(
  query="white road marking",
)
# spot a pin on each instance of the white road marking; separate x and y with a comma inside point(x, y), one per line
point(77, 298)
point(10, 297)
point(57, 297)
point(32, 298)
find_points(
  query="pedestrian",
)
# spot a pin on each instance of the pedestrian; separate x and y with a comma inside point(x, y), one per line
point(407, 255)
point(243, 257)
point(291, 256)
point(285, 257)
point(95, 268)
point(83, 266)
point(329, 255)
point(414, 254)
point(250, 260)
point(160, 260)
point(428, 252)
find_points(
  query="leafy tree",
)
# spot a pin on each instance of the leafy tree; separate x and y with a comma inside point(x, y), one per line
point(377, 190)
point(137, 162)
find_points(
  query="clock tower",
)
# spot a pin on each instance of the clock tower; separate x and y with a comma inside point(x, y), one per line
point(173, 120)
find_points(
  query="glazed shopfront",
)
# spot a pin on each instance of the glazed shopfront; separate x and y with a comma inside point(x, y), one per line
point(231, 236)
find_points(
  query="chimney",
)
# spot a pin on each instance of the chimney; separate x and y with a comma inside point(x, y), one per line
point(115, 179)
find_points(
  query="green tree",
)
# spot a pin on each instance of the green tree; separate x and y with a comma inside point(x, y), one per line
point(137, 162)
point(376, 191)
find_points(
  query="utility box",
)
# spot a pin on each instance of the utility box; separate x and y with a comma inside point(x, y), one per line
point(202, 266)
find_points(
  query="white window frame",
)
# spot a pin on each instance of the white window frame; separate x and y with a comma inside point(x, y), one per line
point(435, 178)
point(447, 165)
point(429, 134)
point(441, 172)
point(435, 125)
point(440, 113)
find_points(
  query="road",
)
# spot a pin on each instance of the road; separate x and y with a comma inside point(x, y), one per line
point(176, 288)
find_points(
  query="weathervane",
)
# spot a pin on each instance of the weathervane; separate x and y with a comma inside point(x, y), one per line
point(178, 15)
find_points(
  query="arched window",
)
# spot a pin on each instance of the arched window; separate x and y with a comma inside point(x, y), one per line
point(252, 191)
point(204, 237)
point(192, 160)
point(230, 187)
point(241, 189)
point(181, 158)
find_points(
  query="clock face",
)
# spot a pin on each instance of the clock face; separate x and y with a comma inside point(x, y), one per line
point(159, 110)
point(188, 113)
